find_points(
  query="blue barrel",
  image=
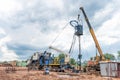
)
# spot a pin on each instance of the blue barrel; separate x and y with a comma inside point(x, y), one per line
point(46, 70)
point(46, 62)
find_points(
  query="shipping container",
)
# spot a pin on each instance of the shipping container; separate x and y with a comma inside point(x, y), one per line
point(110, 69)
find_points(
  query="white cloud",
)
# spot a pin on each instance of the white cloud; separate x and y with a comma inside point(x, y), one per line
point(6, 54)
point(104, 13)
point(54, 4)
point(110, 29)
point(9, 7)
point(108, 18)
point(39, 22)
point(2, 31)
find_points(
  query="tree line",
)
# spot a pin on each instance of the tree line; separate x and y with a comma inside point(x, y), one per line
point(108, 56)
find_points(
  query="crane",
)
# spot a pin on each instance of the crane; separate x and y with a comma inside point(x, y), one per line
point(67, 56)
point(93, 34)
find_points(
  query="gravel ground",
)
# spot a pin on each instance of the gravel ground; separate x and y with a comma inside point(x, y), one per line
point(23, 74)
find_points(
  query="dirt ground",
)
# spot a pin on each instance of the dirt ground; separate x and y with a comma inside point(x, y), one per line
point(23, 74)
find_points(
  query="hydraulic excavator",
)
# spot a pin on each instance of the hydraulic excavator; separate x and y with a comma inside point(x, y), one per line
point(95, 65)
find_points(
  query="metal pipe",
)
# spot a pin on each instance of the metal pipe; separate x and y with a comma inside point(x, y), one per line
point(79, 53)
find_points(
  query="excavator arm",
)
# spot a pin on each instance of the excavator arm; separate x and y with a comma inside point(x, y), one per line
point(93, 34)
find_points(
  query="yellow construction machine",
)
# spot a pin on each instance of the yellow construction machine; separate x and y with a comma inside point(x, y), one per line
point(67, 55)
point(93, 65)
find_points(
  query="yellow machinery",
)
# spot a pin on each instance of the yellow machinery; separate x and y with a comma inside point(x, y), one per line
point(67, 56)
point(97, 59)
point(93, 34)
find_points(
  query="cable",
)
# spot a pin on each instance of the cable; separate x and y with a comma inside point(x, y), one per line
point(72, 45)
point(86, 46)
point(58, 35)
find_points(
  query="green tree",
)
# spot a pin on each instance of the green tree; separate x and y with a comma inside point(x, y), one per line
point(61, 56)
point(84, 63)
point(118, 56)
point(72, 61)
point(109, 56)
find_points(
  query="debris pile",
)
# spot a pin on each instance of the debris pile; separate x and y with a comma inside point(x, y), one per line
point(10, 70)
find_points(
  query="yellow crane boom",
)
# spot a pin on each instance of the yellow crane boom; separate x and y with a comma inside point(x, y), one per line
point(93, 34)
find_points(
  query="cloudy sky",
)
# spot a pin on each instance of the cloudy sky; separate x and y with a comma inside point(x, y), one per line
point(27, 26)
